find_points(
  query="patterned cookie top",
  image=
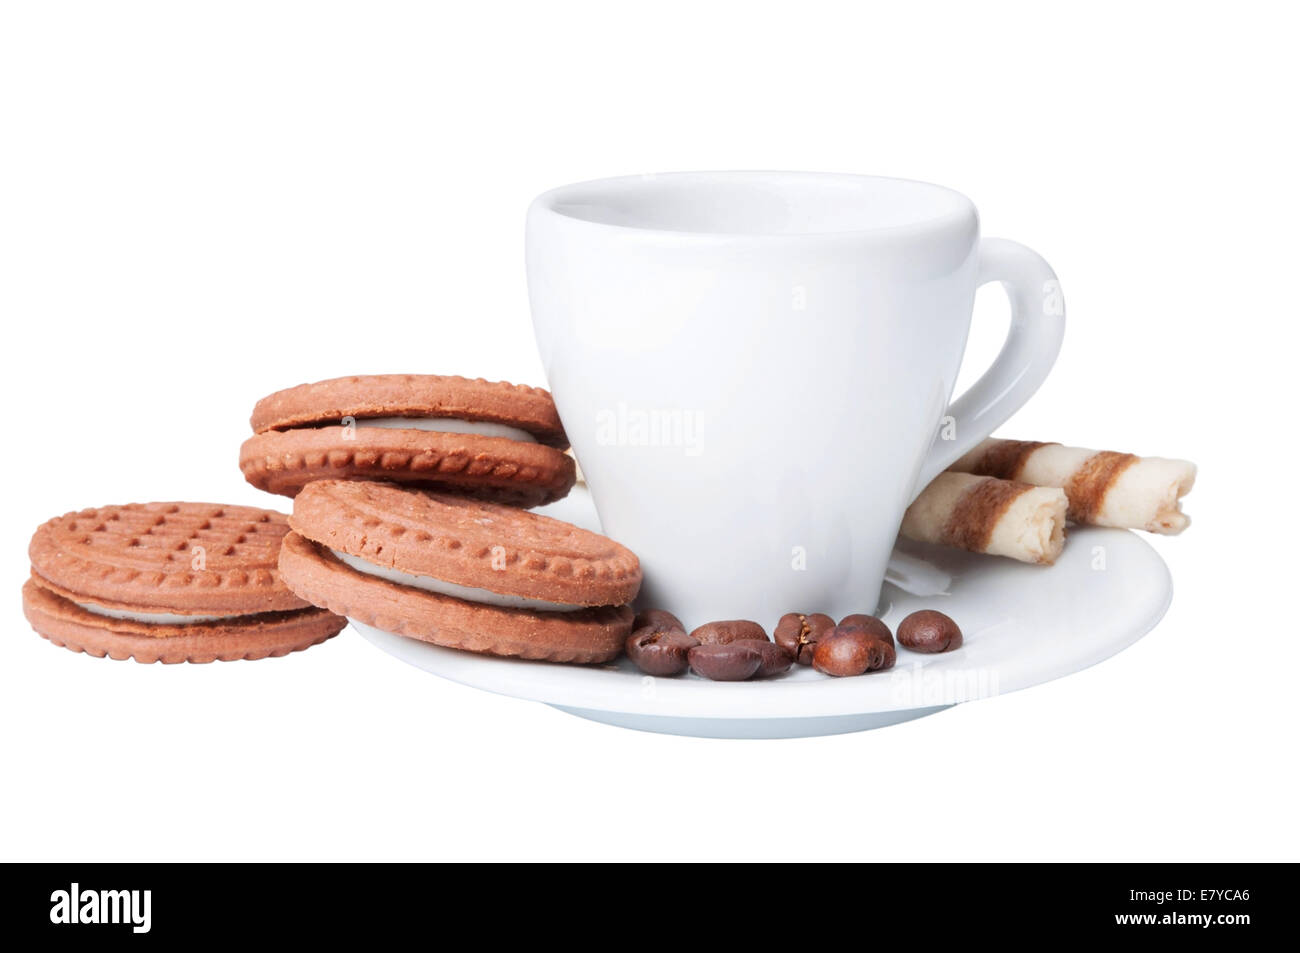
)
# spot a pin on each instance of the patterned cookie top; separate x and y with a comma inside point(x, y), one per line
point(467, 542)
point(530, 409)
point(183, 558)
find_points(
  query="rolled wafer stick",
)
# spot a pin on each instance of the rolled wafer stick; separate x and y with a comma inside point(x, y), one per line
point(1104, 488)
point(987, 515)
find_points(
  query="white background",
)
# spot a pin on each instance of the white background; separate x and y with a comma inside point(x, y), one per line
point(202, 203)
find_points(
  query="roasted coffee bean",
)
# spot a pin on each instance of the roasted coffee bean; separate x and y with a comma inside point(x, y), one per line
point(660, 618)
point(871, 624)
point(929, 631)
point(775, 659)
point(726, 662)
point(852, 650)
point(798, 633)
point(658, 651)
point(720, 633)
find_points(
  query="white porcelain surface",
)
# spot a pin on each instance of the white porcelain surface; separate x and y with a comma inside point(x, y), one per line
point(1023, 624)
point(753, 369)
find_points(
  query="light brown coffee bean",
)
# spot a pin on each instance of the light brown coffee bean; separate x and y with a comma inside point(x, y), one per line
point(929, 631)
point(720, 633)
point(775, 659)
point(798, 633)
point(852, 650)
point(871, 624)
point(659, 618)
point(726, 662)
point(658, 651)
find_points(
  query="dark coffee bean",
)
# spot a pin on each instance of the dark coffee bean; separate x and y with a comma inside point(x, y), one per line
point(720, 633)
point(660, 618)
point(726, 662)
point(852, 650)
point(871, 624)
point(929, 631)
point(798, 633)
point(775, 659)
point(658, 651)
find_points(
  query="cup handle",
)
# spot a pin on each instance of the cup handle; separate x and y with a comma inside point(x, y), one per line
point(1034, 340)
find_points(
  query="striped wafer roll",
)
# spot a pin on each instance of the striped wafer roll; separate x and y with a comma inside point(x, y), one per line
point(1104, 488)
point(987, 515)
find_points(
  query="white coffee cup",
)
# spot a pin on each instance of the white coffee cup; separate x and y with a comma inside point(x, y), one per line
point(755, 368)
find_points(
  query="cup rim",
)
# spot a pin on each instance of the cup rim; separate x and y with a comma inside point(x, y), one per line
point(961, 208)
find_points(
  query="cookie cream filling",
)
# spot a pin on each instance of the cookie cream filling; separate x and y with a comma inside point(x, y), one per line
point(444, 588)
point(156, 618)
point(485, 428)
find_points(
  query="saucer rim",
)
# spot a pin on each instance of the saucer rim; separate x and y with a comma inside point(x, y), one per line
point(606, 688)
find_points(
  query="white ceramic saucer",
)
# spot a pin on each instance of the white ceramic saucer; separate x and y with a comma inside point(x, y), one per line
point(1023, 625)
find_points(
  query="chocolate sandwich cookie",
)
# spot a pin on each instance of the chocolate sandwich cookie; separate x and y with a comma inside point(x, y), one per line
point(489, 440)
point(169, 582)
point(461, 573)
